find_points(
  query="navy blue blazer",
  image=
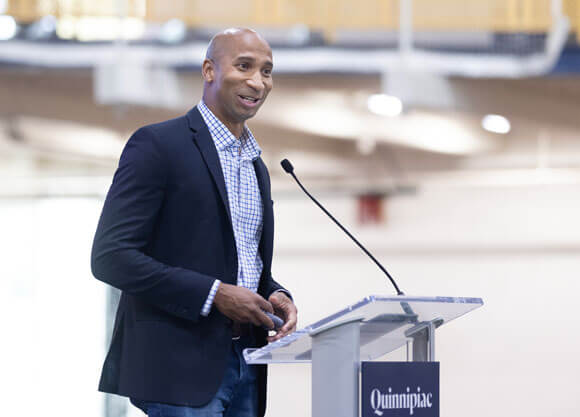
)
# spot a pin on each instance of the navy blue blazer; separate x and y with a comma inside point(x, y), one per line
point(164, 235)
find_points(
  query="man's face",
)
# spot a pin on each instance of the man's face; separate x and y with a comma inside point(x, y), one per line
point(241, 77)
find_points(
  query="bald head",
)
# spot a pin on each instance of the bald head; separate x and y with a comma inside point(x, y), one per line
point(220, 43)
point(237, 74)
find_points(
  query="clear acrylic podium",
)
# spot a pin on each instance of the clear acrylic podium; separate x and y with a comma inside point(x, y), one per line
point(363, 331)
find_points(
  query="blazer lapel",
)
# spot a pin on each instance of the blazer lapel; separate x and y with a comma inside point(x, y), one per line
point(268, 214)
point(263, 181)
point(206, 146)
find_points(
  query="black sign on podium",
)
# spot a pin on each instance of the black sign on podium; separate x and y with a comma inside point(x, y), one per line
point(400, 389)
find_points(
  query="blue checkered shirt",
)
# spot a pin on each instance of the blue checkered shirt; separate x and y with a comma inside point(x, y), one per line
point(236, 158)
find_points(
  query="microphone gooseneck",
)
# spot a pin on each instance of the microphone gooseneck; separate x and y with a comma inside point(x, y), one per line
point(287, 166)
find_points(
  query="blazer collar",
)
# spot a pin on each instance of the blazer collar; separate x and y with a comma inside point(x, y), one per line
point(206, 146)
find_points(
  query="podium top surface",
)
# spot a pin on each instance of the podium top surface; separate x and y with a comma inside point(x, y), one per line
point(386, 323)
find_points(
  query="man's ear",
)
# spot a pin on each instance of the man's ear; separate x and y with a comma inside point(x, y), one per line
point(207, 70)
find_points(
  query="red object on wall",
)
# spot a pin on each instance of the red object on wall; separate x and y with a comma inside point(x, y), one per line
point(370, 209)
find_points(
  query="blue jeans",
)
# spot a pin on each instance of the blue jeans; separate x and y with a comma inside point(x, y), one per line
point(237, 395)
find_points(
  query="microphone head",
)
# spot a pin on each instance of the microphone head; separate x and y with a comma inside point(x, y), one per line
point(287, 166)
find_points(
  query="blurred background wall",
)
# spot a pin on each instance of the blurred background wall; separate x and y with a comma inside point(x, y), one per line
point(444, 134)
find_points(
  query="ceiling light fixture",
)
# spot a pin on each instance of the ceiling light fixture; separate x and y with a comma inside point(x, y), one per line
point(385, 105)
point(8, 28)
point(496, 124)
point(172, 32)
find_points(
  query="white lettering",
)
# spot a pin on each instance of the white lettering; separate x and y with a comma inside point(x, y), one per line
point(403, 400)
point(413, 403)
point(376, 399)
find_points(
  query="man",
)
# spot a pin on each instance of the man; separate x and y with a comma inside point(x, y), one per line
point(186, 233)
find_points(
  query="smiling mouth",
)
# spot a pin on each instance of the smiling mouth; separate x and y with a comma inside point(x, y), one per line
point(250, 99)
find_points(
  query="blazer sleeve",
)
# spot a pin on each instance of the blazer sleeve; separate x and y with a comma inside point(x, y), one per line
point(270, 286)
point(125, 228)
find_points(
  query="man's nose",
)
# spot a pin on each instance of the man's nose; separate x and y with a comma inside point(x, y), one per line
point(256, 81)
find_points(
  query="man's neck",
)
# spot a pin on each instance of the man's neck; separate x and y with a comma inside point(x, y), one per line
point(236, 129)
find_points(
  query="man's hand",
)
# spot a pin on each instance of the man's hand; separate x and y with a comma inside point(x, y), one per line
point(286, 310)
point(242, 305)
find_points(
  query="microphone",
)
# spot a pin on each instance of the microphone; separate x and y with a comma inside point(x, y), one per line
point(287, 166)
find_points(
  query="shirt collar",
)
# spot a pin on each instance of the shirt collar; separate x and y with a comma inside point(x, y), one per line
point(224, 139)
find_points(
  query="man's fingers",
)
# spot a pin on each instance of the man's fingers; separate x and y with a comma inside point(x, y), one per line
point(265, 305)
point(279, 335)
point(291, 315)
point(243, 305)
point(264, 320)
point(288, 328)
point(278, 299)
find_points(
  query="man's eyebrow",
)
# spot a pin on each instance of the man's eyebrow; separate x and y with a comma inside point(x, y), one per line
point(245, 58)
point(252, 59)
